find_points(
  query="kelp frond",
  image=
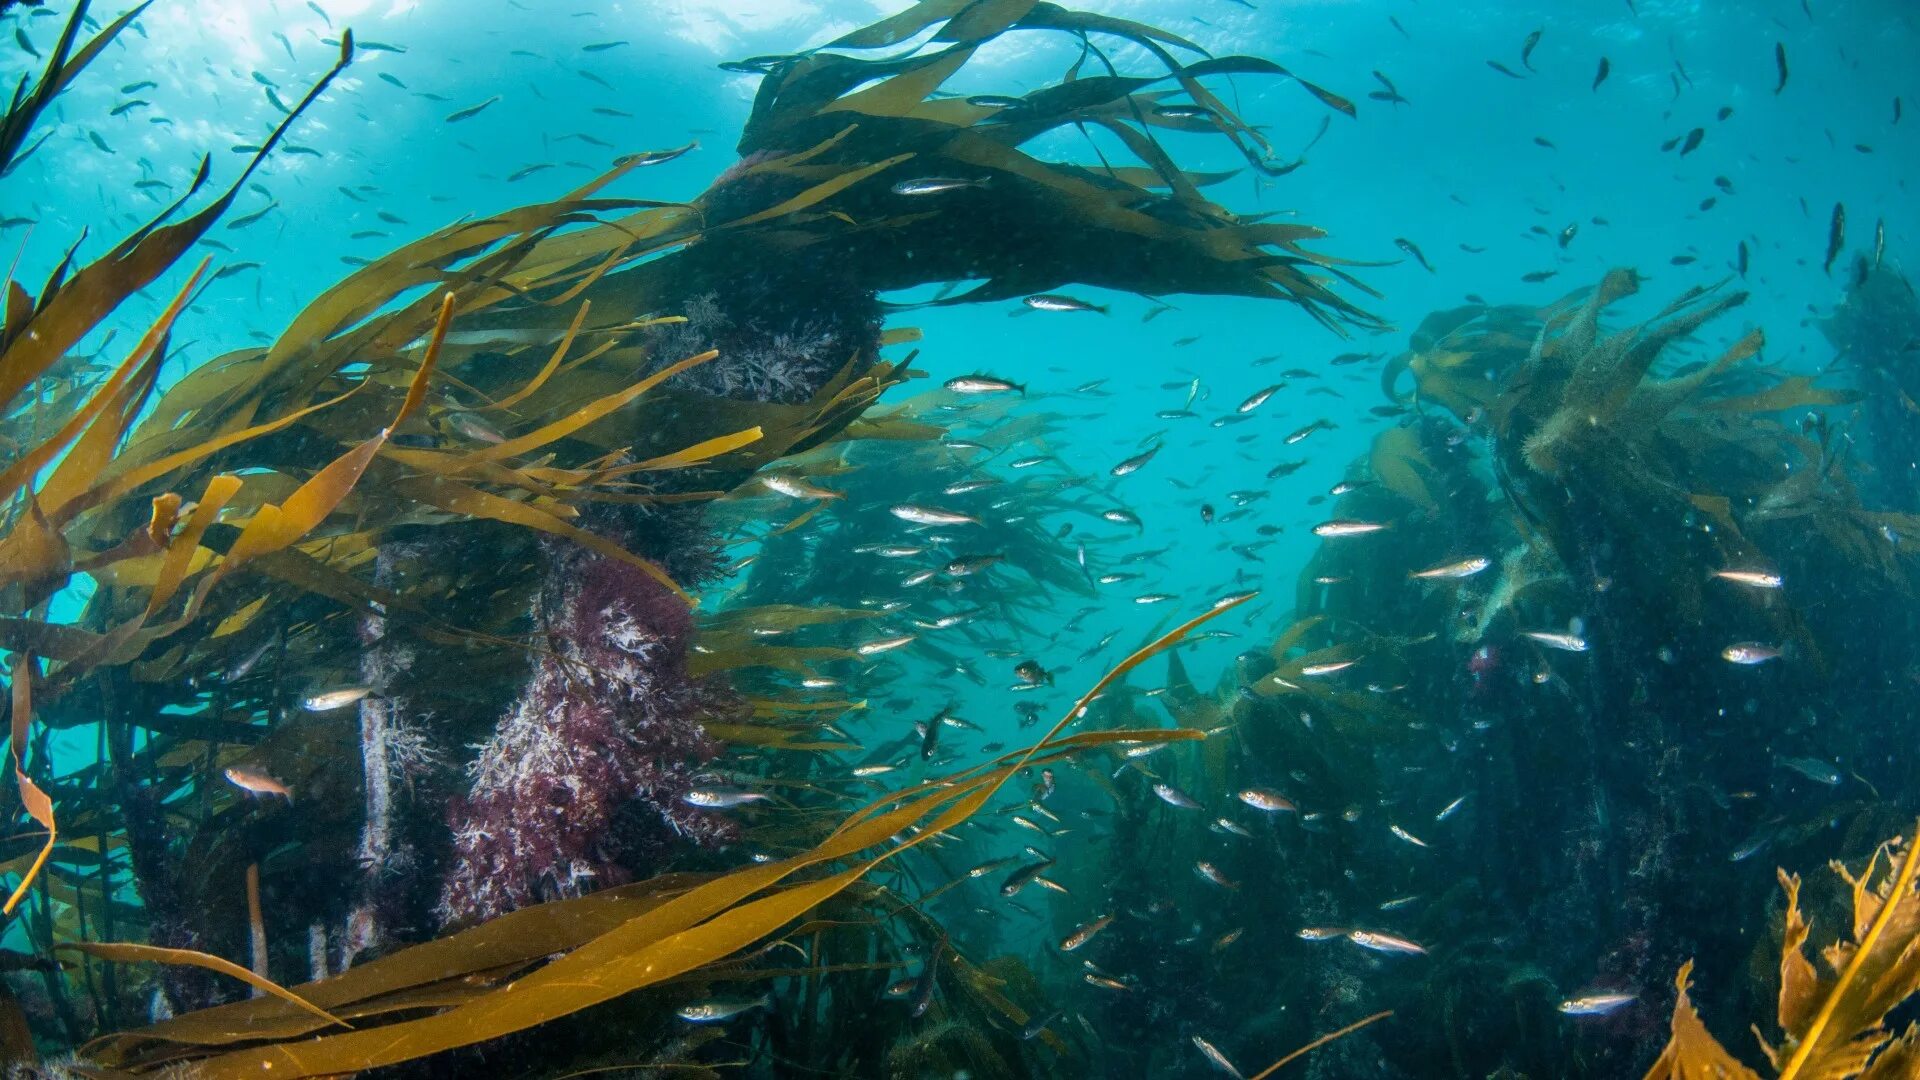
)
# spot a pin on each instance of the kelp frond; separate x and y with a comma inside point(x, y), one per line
point(1832, 1024)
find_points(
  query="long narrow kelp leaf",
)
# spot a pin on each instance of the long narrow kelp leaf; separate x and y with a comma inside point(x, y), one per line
point(23, 469)
point(39, 807)
point(580, 418)
point(129, 953)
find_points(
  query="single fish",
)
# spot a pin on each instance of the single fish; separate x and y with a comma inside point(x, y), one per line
point(1085, 933)
point(931, 515)
point(656, 157)
point(1343, 527)
point(968, 565)
point(1413, 249)
point(934, 185)
point(1228, 825)
point(471, 110)
point(1600, 75)
point(1258, 398)
point(1185, 112)
point(1024, 876)
point(329, 700)
point(1321, 933)
point(1266, 799)
point(471, 426)
point(1031, 673)
point(1450, 809)
point(983, 384)
point(1504, 70)
point(1407, 836)
point(1780, 62)
point(722, 798)
point(1813, 769)
point(796, 487)
point(1312, 671)
point(1464, 568)
point(1694, 138)
point(1553, 639)
point(255, 782)
point(1386, 943)
point(1055, 302)
point(929, 978)
point(875, 648)
point(1173, 796)
point(1039, 1023)
point(1526, 50)
point(1836, 235)
point(1749, 653)
point(1134, 464)
point(1214, 1057)
point(714, 1012)
point(1596, 1004)
point(1212, 874)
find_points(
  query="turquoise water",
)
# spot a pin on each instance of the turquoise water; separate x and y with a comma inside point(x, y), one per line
point(1622, 808)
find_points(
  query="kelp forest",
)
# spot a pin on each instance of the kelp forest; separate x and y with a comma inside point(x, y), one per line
point(529, 660)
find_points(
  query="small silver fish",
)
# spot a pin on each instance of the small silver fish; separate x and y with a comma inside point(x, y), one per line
point(875, 648)
point(1135, 463)
point(1342, 527)
point(1259, 398)
point(1056, 302)
point(794, 487)
point(1228, 825)
point(1749, 653)
point(1216, 1058)
point(1449, 809)
point(1464, 568)
point(1407, 836)
point(1154, 598)
point(1266, 799)
point(934, 185)
point(1753, 579)
point(713, 1012)
point(1084, 934)
point(1313, 670)
point(1813, 769)
point(1320, 933)
point(983, 384)
point(1556, 640)
point(722, 798)
point(1173, 796)
point(1596, 1004)
point(329, 700)
point(1386, 943)
point(930, 515)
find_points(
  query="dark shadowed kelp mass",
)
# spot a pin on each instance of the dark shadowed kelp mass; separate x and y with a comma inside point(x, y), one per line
point(571, 645)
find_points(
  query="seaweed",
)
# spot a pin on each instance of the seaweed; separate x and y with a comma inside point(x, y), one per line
point(1832, 1025)
point(485, 481)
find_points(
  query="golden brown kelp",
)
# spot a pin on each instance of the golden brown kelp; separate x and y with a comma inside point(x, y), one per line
point(1832, 1022)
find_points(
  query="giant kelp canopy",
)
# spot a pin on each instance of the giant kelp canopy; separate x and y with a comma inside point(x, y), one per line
point(395, 497)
